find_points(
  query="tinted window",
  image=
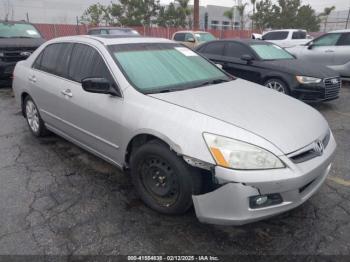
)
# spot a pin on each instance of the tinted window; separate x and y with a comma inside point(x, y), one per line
point(214, 48)
point(87, 62)
point(344, 40)
point(299, 35)
point(281, 35)
point(55, 58)
point(327, 40)
point(180, 37)
point(94, 32)
point(237, 50)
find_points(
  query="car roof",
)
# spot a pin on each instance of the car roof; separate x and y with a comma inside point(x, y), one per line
point(189, 31)
point(111, 40)
point(15, 22)
point(242, 41)
point(283, 30)
point(341, 31)
point(110, 28)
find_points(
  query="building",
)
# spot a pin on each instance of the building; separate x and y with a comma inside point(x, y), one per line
point(336, 20)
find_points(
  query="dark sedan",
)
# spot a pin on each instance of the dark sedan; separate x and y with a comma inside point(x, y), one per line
point(270, 65)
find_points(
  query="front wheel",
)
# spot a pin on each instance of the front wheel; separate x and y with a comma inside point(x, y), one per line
point(162, 179)
point(277, 85)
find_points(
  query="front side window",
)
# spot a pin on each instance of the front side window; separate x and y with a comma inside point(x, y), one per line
point(271, 52)
point(86, 62)
point(327, 40)
point(153, 68)
point(18, 30)
point(280, 35)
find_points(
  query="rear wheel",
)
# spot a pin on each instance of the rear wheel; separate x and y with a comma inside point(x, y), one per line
point(277, 85)
point(35, 123)
point(162, 179)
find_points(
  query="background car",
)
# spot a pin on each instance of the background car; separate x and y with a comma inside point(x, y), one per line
point(193, 39)
point(270, 65)
point(332, 50)
point(112, 31)
point(286, 37)
point(188, 132)
point(18, 40)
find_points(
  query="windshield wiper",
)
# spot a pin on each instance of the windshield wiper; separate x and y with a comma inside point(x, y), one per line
point(212, 82)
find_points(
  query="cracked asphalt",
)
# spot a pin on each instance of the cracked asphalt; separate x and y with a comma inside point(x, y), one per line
point(57, 199)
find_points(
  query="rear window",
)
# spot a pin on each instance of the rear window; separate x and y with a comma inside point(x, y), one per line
point(180, 37)
point(280, 35)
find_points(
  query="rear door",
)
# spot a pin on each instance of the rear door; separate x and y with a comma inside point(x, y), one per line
point(93, 120)
point(322, 50)
point(342, 50)
point(46, 80)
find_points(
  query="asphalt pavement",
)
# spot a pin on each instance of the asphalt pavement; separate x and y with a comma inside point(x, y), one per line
point(56, 198)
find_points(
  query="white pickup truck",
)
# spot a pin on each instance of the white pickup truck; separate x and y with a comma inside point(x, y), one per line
point(285, 38)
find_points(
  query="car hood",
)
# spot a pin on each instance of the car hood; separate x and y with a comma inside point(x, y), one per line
point(13, 43)
point(298, 67)
point(284, 121)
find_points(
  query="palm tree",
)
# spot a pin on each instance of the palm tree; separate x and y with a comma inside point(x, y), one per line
point(241, 11)
point(327, 11)
point(253, 2)
point(230, 14)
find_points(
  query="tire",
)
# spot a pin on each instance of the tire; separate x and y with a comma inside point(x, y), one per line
point(34, 120)
point(162, 179)
point(277, 85)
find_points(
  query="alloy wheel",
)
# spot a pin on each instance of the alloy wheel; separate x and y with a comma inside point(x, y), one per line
point(277, 86)
point(32, 116)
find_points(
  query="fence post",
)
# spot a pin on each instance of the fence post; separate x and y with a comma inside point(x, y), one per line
point(54, 30)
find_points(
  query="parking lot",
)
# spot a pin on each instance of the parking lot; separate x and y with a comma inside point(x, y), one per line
point(58, 199)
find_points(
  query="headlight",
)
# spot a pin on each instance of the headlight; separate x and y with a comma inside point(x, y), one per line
point(308, 80)
point(236, 154)
point(2, 55)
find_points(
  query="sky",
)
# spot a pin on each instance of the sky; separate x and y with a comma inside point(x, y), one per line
point(319, 5)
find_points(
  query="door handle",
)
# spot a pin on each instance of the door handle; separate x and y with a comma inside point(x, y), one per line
point(67, 92)
point(32, 79)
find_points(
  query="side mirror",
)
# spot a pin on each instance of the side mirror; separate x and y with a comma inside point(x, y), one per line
point(310, 45)
point(191, 40)
point(98, 86)
point(247, 58)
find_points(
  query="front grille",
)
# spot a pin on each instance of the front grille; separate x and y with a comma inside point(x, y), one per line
point(332, 89)
point(14, 55)
point(309, 154)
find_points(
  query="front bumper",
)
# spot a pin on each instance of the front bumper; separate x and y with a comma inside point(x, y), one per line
point(229, 204)
point(6, 70)
point(325, 91)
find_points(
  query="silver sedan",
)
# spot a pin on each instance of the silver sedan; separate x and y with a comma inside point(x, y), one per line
point(189, 133)
point(331, 49)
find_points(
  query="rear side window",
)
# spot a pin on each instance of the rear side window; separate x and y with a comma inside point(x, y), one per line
point(344, 40)
point(280, 35)
point(299, 35)
point(214, 48)
point(180, 37)
point(54, 59)
point(237, 50)
point(86, 62)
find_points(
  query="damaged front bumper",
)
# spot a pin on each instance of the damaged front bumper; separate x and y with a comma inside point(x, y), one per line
point(230, 203)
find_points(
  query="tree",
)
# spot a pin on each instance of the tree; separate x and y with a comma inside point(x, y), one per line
point(175, 16)
point(241, 12)
point(307, 19)
point(183, 12)
point(264, 15)
point(94, 14)
point(230, 14)
point(327, 11)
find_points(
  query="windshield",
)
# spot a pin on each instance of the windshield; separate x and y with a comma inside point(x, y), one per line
point(271, 52)
point(204, 37)
point(159, 67)
point(13, 30)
